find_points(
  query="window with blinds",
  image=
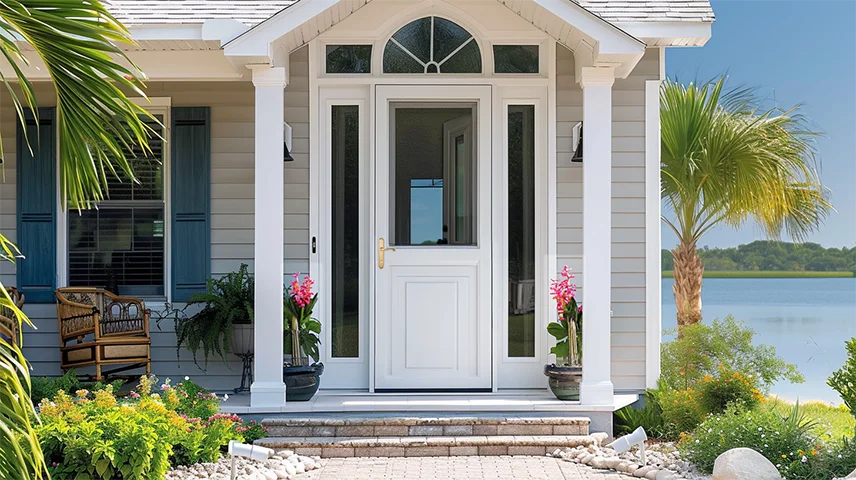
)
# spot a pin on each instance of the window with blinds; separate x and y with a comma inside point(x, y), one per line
point(119, 245)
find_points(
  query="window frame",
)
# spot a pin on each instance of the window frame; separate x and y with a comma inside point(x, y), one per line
point(538, 45)
point(155, 106)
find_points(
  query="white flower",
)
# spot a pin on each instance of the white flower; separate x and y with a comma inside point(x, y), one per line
point(760, 428)
point(225, 396)
point(186, 378)
point(803, 459)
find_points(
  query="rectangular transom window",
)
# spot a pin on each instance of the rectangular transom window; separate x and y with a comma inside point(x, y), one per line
point(345, 197)
point(521, 230)
point(349, 59)
point(515, 58)
point(119, 245)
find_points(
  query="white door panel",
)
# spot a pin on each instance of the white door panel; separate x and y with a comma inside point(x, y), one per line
point(433, 293)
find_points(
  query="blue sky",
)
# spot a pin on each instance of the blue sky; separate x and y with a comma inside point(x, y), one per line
point(797, 52)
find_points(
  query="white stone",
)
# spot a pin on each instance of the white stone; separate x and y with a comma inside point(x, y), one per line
point(300, 468)
point(598, 462)
point(742, 463)
point(641, 472)
point(612, 462)
point(281, 474)
point(652, 475)
point(290, 469)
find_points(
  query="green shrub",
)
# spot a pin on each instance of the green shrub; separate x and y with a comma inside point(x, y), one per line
point(703, 348)
point(682, 411)
point(48, 387)
point(101, 439)
point(843, 380)
point(649, 416)
point(252, 431)
point(782, 439)
point(97, 437)
point(727, 388)
point(835, 460)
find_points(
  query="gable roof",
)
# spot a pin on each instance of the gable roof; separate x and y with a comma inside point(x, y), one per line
point(252, 12)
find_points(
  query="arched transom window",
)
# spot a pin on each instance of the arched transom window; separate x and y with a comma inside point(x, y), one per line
point(432, 45)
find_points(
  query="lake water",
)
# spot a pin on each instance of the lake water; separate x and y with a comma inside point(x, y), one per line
point(806, 319)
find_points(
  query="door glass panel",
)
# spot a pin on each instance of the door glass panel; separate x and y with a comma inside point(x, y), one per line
point(521, 230)
point(345, 167)
point(432, 176)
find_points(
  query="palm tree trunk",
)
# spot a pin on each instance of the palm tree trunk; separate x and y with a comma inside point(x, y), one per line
point(688, 276)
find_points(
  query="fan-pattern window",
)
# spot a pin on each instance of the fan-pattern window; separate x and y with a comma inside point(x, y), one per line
point(120, 244)
point(432, 45)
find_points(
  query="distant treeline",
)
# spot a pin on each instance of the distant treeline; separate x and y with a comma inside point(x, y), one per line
point(774, 256)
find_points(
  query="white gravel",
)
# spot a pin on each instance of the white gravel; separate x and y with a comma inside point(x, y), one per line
point(663, 461)
point(284, 464)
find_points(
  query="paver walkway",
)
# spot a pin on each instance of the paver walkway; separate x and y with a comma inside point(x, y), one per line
point(457, 468)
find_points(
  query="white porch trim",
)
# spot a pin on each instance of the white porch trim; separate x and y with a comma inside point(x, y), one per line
point(597, 385)
point(653, 206)
point(267, 389)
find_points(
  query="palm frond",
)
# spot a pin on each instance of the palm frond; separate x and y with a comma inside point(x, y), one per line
point(98, 125)
point(20, 453)
point(725, 160)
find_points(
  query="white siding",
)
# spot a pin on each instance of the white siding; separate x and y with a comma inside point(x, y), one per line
point(232, 194)
point(628, 207)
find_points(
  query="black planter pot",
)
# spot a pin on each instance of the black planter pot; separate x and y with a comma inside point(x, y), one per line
point(564, 381)
point(301, 382)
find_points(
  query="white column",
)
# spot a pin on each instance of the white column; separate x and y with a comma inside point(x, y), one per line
point(653, 261)
point(267, 389)
point(597, 386)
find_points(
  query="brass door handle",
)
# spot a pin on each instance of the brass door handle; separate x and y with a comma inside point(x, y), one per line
point(380, 250)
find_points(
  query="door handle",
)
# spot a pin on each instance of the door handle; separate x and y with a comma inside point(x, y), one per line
point(380, 252)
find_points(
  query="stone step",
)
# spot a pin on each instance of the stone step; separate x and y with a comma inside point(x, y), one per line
point(423, 426)
point(467, 445)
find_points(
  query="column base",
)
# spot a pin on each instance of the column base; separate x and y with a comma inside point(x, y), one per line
point(597, 393)
point(267, 394)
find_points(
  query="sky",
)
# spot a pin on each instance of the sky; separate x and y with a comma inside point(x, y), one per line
point(795, 52)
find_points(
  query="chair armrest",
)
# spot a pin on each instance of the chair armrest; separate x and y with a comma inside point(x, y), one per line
point(76, 319)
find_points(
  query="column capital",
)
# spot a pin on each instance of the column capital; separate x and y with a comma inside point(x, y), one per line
point(265, 75)
point(597, 76)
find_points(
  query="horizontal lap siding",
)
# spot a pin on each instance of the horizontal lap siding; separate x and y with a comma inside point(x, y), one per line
point(232, 210)
point(628, 207)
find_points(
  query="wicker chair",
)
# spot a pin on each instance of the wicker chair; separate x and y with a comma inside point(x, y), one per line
point(98, 328)
point(8, 320)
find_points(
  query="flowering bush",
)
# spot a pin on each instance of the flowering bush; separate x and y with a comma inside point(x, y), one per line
point(782, 439)
point(728, 387)
point(682, 411)
point(568, 329)
point(252, 431)
point(138, 438)
point(298, 303)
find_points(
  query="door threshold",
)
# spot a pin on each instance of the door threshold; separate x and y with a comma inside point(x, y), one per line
point(433, 390)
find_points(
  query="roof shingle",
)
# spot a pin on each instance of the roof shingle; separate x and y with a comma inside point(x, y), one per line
point(251, 12)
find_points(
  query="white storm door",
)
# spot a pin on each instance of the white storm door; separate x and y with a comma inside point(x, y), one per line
point(432, 206)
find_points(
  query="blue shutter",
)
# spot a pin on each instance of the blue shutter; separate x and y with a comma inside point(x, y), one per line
point(37, 188)
point(190, 200)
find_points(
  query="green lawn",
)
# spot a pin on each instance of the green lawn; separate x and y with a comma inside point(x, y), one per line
point(767, 274)
point(832, 422)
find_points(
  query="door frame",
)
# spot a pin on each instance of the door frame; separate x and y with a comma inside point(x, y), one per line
point(483, 96)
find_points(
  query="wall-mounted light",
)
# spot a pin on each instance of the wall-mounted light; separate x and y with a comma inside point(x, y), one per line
point(577, 142)
point(286, 145)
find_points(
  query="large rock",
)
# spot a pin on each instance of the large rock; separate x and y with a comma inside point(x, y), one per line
point(852, 474)
point(744, 464)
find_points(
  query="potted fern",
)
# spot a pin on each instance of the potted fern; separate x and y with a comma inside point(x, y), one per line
point(565, 376)
point(301, 338)
point(224, 324)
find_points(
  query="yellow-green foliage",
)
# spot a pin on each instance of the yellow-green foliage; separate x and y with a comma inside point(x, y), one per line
point(833, 422)
point(136, 439)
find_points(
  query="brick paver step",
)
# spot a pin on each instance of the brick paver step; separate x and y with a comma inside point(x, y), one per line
point(399, 426)
point(438, 446)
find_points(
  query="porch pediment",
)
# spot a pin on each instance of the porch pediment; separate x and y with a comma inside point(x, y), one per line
point(595, 41)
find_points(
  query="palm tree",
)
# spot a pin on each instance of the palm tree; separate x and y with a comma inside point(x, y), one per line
point(98, 125)
point(725, 160)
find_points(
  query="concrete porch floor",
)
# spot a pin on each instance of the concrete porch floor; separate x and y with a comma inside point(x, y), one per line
point(331, 401)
